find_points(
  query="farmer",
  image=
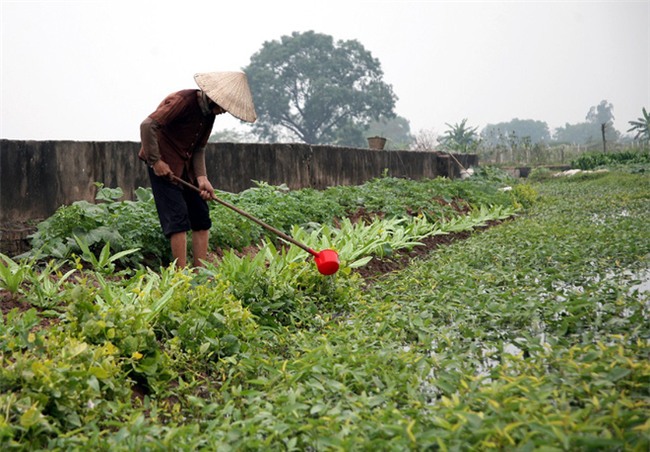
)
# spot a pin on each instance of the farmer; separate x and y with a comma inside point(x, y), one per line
point(173, 144)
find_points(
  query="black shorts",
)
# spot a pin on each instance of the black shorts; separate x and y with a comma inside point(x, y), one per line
point(179, 209)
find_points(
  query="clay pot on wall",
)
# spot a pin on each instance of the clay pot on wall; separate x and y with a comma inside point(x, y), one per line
point(376, 142)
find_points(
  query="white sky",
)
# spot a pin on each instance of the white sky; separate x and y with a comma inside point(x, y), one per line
point(94, 69)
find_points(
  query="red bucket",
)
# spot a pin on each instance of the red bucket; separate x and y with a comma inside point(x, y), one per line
point(327, 262)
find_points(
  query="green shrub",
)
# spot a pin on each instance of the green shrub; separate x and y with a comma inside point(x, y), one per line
point(125, 225)
point(62, 385)
point(524, 195)
point(591, 161)
point(540, 173)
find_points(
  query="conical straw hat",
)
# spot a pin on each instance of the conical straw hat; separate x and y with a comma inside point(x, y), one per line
point(230, 91)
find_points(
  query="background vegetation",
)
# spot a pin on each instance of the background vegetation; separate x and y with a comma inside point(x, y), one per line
point(309, 88)
point(317, 90)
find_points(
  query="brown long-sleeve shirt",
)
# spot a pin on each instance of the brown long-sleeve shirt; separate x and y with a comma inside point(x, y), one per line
point(177, 133)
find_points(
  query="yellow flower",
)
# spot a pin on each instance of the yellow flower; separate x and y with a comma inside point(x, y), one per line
point(137, 355)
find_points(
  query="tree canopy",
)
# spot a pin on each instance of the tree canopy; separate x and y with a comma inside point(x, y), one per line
point(601, 113)
point(589, 132)
point(535, 131)
point(308, 87)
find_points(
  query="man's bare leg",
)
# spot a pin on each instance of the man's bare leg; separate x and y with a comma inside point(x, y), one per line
point(200, 246)
point(179, 248)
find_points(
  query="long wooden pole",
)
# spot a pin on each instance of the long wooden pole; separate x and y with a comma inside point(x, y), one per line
point(249, 216)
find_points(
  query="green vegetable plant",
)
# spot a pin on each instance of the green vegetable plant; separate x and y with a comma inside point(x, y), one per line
point(47, 286)
point(256, 283)
point(105, 262)
point(476, 218)
point(126, 225)
point(12, 274)
point(63, 386)
point(17, 331)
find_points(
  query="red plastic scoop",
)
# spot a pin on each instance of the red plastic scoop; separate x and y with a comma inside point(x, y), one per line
point(327, 261)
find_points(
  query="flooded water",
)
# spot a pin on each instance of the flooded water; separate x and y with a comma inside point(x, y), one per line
point(487, 356)
point(644, 285)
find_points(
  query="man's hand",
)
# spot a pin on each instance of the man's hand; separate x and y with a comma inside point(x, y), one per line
point(162, 169)
point(207, 191)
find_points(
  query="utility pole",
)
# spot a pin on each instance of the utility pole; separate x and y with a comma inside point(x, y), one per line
point(602, 130)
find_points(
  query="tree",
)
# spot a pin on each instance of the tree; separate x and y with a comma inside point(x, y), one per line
point(535, 131)
point(460, 137)
point(642, 127)
point(601, 113)
point(581, 133)
point(603, 117)
point(599, 119)
point(308, 87)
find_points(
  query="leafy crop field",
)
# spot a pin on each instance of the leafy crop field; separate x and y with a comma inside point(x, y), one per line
point(480, 314)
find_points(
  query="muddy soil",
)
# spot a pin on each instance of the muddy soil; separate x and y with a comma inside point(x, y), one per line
point(378, 267)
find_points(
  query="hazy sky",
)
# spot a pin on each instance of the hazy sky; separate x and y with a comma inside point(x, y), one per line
point(93, 70)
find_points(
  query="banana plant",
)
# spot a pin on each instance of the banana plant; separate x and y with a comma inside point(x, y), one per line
point(641, 126)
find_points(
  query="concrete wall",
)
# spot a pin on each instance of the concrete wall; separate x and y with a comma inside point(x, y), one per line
point(37, 177)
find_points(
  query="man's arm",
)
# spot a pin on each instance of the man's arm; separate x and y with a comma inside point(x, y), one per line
point(149, 137)
point(198, 163)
